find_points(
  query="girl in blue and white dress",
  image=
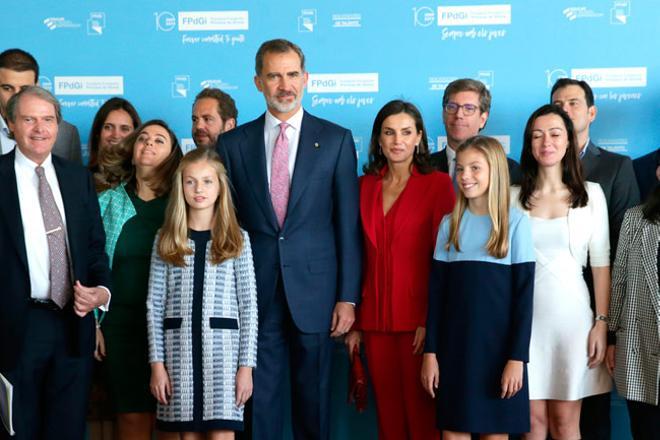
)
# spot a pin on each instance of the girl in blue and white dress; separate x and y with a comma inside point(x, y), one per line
point(480, 303)
point(201, 307)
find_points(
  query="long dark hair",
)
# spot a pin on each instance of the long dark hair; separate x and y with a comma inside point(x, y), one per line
point(377, 160)
point(571, 174)
point(108, 106)
point(651, 209)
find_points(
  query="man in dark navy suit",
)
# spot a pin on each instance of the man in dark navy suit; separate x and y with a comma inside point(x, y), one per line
point(54, 270)
point(465, 111)
point(647, 172)
point(614, 173)
point(296, 193)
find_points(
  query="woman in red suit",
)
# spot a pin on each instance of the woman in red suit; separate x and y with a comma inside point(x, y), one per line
point(402, 200)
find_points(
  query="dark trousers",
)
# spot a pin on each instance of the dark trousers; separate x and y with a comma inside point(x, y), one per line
point(307, 358)
point(51, 386)
point(644, 420)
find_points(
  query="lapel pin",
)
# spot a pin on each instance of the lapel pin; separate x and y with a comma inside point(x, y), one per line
point(316, 145)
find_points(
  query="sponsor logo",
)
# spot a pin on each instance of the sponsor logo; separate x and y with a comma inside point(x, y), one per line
point(342, 83)
point(620, 12)
point(180, 86)
point(53, 23)
point(577, 12)
point(307, 20)
point(45, 83)
point(89, 85)
point(551, 76)
point(614, 145)
point(487, 77)
point(437, 83)
point(612, 77)
point(187, 144)
point(474, 15)
point(423, 16)
point(96, 23)
point(213, 20)
point(165, 21)
point(217, 84)
point(346, 20)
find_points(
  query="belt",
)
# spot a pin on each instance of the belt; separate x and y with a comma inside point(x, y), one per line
point(45, 304)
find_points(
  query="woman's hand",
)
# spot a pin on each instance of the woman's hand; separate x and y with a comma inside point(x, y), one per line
point(160, 385)
point(597, 343)
point(243, 385)
point(418, 342)
point(99, 351)
point(430, 373)
point(353, 339)
point(610, 358)
point(512, 379)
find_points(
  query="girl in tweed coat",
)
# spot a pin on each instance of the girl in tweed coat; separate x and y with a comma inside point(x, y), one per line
point(202, 306)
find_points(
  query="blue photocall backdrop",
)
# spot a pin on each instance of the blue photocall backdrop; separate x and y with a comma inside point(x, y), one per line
point(159, 54)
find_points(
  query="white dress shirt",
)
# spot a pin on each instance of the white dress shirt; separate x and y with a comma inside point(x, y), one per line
point(6, 143)
point(272, 131)
point(451, 160)
point(34, 231)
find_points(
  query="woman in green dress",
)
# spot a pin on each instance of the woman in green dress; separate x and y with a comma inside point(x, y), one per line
point(138, 174)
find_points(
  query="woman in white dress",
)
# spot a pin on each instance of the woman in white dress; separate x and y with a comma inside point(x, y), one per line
point(569, 225)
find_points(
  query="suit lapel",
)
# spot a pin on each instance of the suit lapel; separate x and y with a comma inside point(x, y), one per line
point(10, 206)
point(253, 152)
point(650, 233)
point(309, 150)
point(408, 205)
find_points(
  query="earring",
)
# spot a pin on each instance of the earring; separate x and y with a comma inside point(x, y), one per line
point(416, 149)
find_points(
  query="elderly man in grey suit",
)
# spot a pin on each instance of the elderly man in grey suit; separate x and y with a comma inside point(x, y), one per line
point(18, 70)
point(615, 175)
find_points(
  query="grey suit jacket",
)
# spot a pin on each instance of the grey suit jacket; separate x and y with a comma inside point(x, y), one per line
point(615, 174)
point(67, 145)
point(635, 309)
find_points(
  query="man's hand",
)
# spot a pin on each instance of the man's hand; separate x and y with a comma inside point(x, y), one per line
point(86, 299)
point(343, 317)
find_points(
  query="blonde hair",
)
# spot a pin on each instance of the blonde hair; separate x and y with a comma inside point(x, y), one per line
point(498, 197)
point(226, 236)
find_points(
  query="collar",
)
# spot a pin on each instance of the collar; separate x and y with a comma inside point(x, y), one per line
point(294, 121)
point(583, 151)
point(22, 161)
point(4, 127)
point(451, 154)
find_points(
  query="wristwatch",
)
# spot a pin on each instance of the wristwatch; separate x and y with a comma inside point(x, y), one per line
point(601, 318)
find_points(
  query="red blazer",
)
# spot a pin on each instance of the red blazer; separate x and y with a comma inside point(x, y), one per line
point(421, 206)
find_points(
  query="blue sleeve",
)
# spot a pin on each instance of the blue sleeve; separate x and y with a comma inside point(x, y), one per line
point(522, 295)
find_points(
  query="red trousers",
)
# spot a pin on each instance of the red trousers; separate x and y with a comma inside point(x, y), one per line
point(405, 411)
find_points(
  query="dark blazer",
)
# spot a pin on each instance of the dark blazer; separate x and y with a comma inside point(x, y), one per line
point(67, 144)
point(614, 173)
point(439, 162)
point(317, 251)
point(86, 244)
point(421, 206)
point(645, 167)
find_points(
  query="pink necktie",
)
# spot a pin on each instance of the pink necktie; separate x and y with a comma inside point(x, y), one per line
point(279, 175)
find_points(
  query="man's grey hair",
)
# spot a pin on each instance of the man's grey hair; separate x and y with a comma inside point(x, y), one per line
point(37, 92)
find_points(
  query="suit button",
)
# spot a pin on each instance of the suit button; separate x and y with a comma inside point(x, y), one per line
point(281, 238)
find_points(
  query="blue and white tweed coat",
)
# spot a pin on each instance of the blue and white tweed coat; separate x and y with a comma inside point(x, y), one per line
point(229, 331)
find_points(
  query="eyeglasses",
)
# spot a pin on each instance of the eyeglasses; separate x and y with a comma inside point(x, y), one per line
point(468, 109)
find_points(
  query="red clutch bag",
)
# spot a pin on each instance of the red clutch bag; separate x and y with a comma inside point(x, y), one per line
point(357, 382)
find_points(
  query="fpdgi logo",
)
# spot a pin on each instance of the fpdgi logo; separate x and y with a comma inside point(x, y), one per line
point(553, 75)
